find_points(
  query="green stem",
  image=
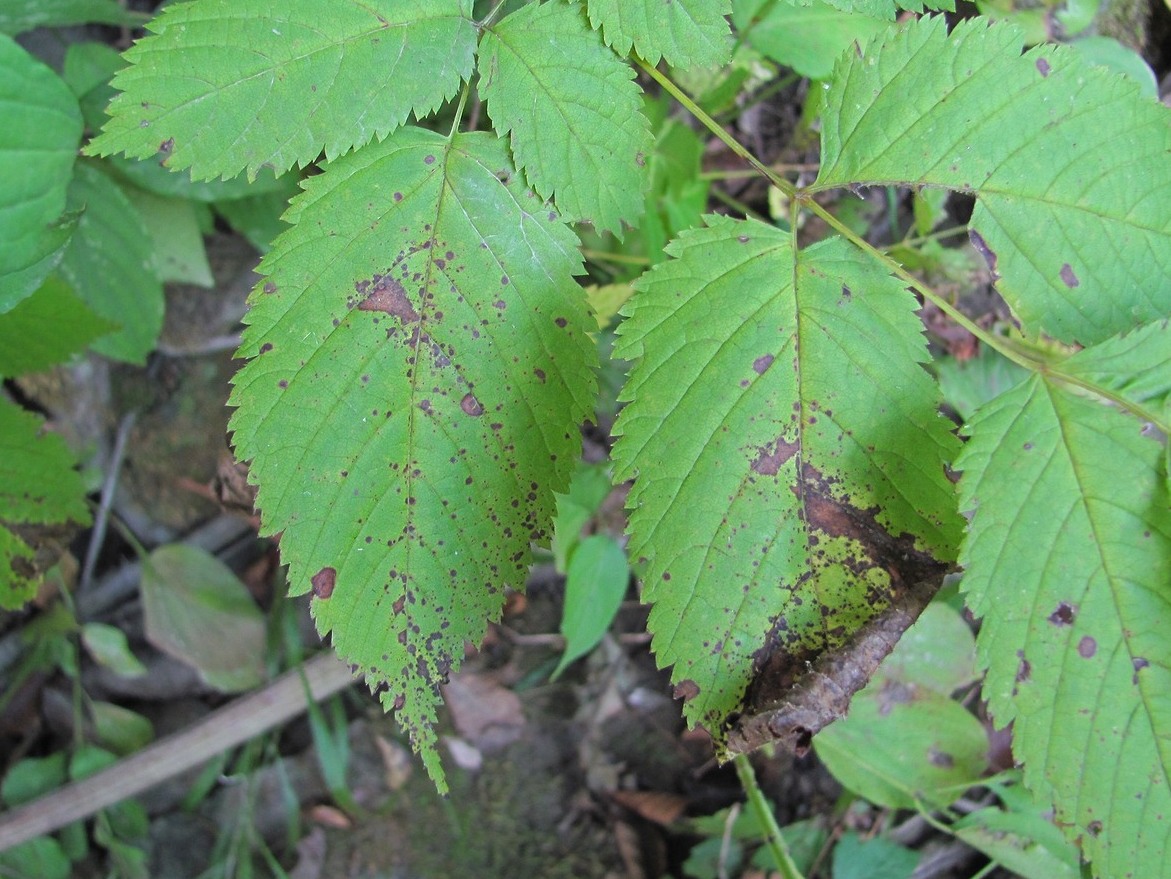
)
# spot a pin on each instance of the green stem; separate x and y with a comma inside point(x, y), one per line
point(766, 819)
point(459, 111)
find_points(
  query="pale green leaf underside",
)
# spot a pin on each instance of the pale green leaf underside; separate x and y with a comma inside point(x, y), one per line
point(110, 265)
point(573, 112)
point(1070, 166)
point(686, 33)
point(38, 486)
point(806, 38)
point(1068, 561)
point(38, 145)
point(776, 410)
point(418, 367)
point(276, 84)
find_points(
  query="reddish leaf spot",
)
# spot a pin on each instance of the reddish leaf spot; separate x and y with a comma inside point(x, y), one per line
point(282, 384)
point(267, 346)
point(540, 374)
point(1094, 828)
point(1043, 66)
point(686, 689)
point(323, 582)
point(1087, 647)
point(269, 287)
point(429, 160)
point(760, 364)
point(388, 296)
point(1068, 277)
point(771, 460)
point(471, 405)
point(398, 196)
point(561, 322)
point(1024, 670)
point(167, 145)
point(1064, 615)
point(984, 250)
point(399, 701)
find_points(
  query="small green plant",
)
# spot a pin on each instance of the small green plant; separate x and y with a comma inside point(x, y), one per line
point(420, 356)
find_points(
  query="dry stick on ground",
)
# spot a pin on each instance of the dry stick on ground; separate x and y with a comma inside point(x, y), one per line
point(249, 716)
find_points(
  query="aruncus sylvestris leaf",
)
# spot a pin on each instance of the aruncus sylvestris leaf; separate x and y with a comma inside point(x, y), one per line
point(684, 33)
point(419, 363)
point(789, 463)
point(270, 85)
point(1071, 168)
point(572, 112)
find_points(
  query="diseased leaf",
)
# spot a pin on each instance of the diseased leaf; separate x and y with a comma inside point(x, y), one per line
point(685, 33)
point(47, 328)
point(1068, 562)
point(38, 487)
point(419, 365)
point(38, 145)
point(573, 113)
point(805, 37)
point(785, 492)
point(1076, 226)
point(280, 86)
point(110, 265)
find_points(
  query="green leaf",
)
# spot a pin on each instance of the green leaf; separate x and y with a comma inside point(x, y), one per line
point(905, 741)
point(969, 384)
point(38, 486)
point(47, 328)
point(419, 365)
point(574, 115)
point(1076, 225)
point(109, 264)
point(855, 858)
point(740, 428)
point(109, 648)
point(31, 777)
point(594, 587)
point(1109, 53)
point(121, 730)
point(806, 38)
point(1136, 367)
point(176, 241)
point(1020, 837)
point(38, 145)
point(686, 33)
point(588, 488)
point(18, 16)
point(198, 611)
point(277, 85)
point(884, 9)
point(1068, 558)
point(40, 858)
point(258, 217)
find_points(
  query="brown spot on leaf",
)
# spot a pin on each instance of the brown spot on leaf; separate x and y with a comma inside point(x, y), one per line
point(1064, 615)
point(1139, 664)
point(471, 405)
point(266, 347)
point(561, 322)
point(772, 459)
point(942, 759)
point(760, 364)
point(269, 287)
point(1043, 66)
point(686, 689)
point(1094, 828)
point(388, 296)
point(167, 145)
point(1024, 669)
point(323, 582)
point(985, 251)
point(1068, 277)
point(1087, 647)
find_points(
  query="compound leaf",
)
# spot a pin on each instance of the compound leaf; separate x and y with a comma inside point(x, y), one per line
point(789, 462)
point(1136, 367)
point(38, 146)
point(1076, 225)
point(419, 365)
point(574, 114)
point(1068, 561)
point(38, 487)
point(686, 33)
point(278, 84)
